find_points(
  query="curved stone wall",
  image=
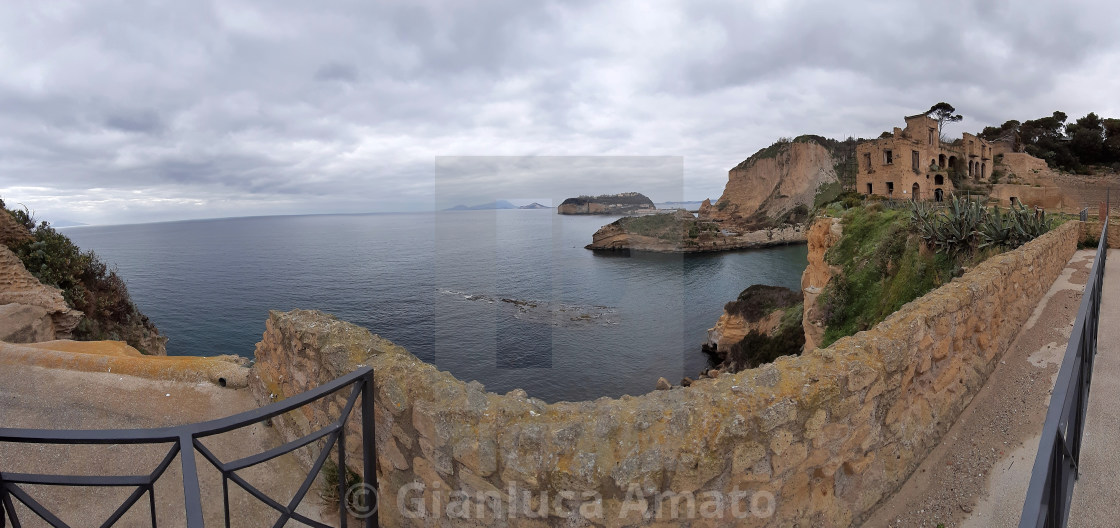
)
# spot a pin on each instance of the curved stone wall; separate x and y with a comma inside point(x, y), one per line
point(817, 440)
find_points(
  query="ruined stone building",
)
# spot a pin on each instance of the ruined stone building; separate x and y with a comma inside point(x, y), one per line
point(914, 164)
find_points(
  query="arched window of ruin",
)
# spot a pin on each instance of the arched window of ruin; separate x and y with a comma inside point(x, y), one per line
point(939, 180)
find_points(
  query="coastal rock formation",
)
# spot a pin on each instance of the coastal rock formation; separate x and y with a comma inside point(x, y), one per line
point(758, 308)
point(31, 311)
point(825, 436)
point(607, 204)
point(774, 182)
point(732, 328)
point(682, 233)
point(823, 233)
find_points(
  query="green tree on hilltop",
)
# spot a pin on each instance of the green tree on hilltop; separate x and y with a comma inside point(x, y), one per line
point(944, 113)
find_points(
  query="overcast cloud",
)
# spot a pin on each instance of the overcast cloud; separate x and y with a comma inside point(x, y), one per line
point(116, 112)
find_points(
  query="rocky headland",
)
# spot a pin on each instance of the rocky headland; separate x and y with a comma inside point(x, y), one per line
point(767, 201)
point(607, 204)
point(681, 232)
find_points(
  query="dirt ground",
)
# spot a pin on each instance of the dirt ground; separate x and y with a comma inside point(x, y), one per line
point(978, 476)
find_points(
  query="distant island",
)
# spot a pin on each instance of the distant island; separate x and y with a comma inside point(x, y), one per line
point(607, 204)
point(534, 205)
point(499, 204)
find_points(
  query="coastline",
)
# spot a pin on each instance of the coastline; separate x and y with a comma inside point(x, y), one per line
point(612, 238)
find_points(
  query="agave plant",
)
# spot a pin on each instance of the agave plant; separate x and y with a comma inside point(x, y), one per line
point(996, 231)
point(1027, 224)
point(954, 230)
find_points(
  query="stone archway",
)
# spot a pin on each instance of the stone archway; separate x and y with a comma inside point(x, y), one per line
point(916, 193)
point(938, 195)
point(939, 180)
point(941, 161)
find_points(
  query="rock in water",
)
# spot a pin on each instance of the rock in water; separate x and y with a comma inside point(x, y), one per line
point(663, 384)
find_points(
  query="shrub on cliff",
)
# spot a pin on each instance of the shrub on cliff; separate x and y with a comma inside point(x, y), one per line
point(87, 285)
point(760, 300)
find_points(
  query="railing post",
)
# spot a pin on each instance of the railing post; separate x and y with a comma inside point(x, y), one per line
point(343, 475)
point(369, 448)
point(192, 496)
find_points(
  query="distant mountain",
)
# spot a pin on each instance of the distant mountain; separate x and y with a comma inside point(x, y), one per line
point(499, 204)
point(534, 205)
point(680, 205)
point(67, 223)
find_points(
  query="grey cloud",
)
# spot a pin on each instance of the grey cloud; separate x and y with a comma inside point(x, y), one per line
point(236, 107)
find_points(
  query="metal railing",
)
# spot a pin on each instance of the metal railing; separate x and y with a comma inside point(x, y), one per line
point(1056, 464)
point(185, 440)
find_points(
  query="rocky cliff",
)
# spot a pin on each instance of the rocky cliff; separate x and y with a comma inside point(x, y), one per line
point(90, 302)
point(30, 311)
point(775, 182)
point(758, 308)
point(823, 233)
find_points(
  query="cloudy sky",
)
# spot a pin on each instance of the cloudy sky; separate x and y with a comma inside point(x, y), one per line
point(119, 111)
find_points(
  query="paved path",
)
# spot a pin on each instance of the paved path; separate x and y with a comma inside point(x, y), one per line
point(977, 476)
point(1096, 495)
point(38, 397)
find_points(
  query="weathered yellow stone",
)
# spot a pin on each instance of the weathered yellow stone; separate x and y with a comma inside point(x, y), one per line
point(780, 441)
point(857, 466)
point(791, 458)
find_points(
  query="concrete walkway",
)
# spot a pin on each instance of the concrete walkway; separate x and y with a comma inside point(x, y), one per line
point(977, 476)
point(1097, 492)
point(53, 398)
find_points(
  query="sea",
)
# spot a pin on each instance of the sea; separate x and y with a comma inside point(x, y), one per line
point(509, 298)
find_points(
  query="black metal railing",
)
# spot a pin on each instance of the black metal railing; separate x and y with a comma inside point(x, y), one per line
point(1056, 464)
point(185, 442)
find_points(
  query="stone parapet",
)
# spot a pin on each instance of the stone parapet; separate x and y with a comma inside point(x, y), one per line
point(815, 440)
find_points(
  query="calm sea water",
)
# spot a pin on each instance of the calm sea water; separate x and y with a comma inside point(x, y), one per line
point(509, 298)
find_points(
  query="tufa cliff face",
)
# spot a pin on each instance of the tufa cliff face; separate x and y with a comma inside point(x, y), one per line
point(774, 182)
point(29, 310)
point(823, 233)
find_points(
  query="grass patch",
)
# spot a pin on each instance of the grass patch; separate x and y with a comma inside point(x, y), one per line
point(884, 266)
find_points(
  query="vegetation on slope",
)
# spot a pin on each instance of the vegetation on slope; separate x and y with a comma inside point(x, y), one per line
point(889, 257)
point(87, 284)
point(760, 300)
point(883, 267)
point(670, 227)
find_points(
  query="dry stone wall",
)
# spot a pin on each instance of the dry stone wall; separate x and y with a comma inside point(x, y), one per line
point(815, 440)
